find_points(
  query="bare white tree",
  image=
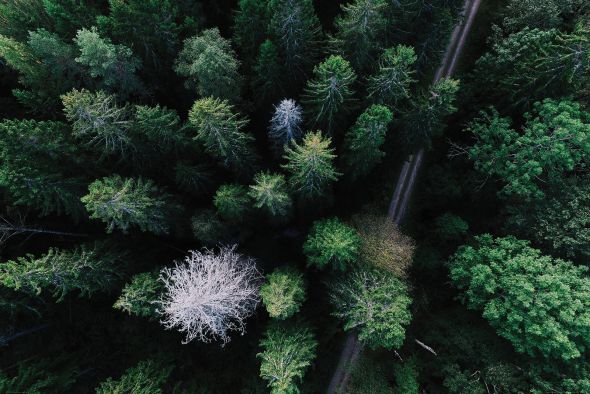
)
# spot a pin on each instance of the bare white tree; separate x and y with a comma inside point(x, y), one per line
point(285, 124)
point(208, 295)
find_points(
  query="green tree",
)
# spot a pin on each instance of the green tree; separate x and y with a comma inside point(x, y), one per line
point(220, 130)
point(122, 203)
point(68, 16)
point(19, 17)
point(269, 193)
point(88, 268)
point(538, 303)
point(283, 293)
point(450, 227)
point(194, 179)
point(554, 142)
point(232, 202)
point(250, 25)
point(210, 65)
point(364, 140)
point(286, 353)
point(147, 377)
point(329, 94)
point(37, 377)
point(375, 303)
point(391, 83)
point(295, 29)
point(360, 31)
point(268, 73)
point(331, 242)
point(208, 228)
point(114, 66)
point(139, 297)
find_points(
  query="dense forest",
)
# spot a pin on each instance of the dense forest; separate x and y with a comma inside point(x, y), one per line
point(295, 196)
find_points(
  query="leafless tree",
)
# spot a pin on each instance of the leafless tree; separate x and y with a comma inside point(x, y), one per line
point(285, 124)
point(208, 295)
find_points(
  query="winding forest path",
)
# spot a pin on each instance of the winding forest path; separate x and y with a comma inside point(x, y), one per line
point(405, 184)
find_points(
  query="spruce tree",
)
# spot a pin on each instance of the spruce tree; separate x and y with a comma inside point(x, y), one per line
point(250, 25)
point(311, 165)
point(364, 140)
point(268, 75)
point(147, 377)
point(220, 130)
point(269, 193)
point(232, 202)
point(329, 94)
point(140, 296)
point(331, 242)
point(283, 293)
point(123, 203)
point(210, 65)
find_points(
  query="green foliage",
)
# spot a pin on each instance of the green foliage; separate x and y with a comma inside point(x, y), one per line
point(122, 203)
point(139, 297)
point(68, 16)
point(331, 242)
point(287, 351)
point(554, 141)
point(147, 377)
point(406, 377)
point(113, 65)
point(208, 228)
point(250, 24)
point(295, 29)
point(370, 375)
point(87, 268)
point(18, 17)
point(210, 65)
point(268, 73)
point(36, 378)
point(232, 202)
point(360, 31)
point(194, 179)
point(269, 193)
point(451, 227)
point(376, 304)
point(283, 293)
point(364, 140)
point(539, 303)
point(220, 130)
point(159, 128)
point(329, 94)
point(391, 83)
point(311, 165)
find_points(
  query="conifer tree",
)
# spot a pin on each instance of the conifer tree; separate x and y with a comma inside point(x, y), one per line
point(232, 202)
point(283, 293)
point(18, 18)
point(285, 125)
point(220, 130)
point(250, 26)
point(269, 193)
point(159, 126)
point(311, 165)
point(360, 32)
point(194, 179)
point(287, 351)
point(208, 228)
point(140, 296)
point(147, 377)
point(123, 203)
point(88, 268)
point(364, 140)
point(329, 93)
point(113, 65)
point(210, 65)
point(295, 29)
point(268, 78)
point(331, 242)
point(392, 80)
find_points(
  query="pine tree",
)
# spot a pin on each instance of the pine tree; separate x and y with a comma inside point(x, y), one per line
point(269, 193)
point(232, 202)
point(360, 32)
point(88, 268)
point(331, 242)
point(287, 351)
point(250, 25)
point(285, 125)
point(220, 130)
point(140, 296)
point(123, 203)
point(113, 65)
point(311, 165)
point(210, 65)
point(19, 17)
point(98, 121)
point(268, 78)
point(364, 140)
point(329, 93)
point(147, 377)
point(283, 293)
point(391, 83)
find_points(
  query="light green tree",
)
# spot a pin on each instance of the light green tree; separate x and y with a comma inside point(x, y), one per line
point(210, 65)
point(123, 203)
point(147, 377)
point(283, 293)
point(140, 296)
point(269, 193)
point(311, 165)
point(286, 353)
point(232, 202)
point(331, 242)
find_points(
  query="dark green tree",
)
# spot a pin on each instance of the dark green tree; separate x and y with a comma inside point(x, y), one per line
point(123, 203)
point(147, 377)
point(538, 303)
point(139, 297)
point(268, 76)
point(232, 202)
point(331, 242)
point(311, 165)
point(287, 351)
point(208, 228)
point(250, 27)
point(88, 269)
point(329, 94)
point(210, 65)
point(283, 293)
point(18, 17)
point(364, 140)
